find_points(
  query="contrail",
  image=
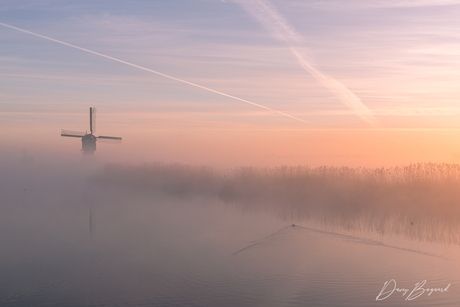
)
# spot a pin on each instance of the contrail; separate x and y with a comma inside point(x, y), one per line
point(155, 72)
point(276, 24)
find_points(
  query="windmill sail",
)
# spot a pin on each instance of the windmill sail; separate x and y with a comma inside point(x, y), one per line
point(73, 134)
point(92, 120)
point(109, 137)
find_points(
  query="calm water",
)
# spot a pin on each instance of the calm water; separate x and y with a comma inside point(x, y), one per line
point(67, 241)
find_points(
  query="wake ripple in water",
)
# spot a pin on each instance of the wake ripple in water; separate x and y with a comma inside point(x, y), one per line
point(282, 233)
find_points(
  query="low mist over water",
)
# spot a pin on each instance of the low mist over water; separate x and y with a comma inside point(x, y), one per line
point(420, 201)
point(159, 234)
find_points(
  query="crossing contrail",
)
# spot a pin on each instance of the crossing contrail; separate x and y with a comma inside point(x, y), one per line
point(154, 71)
point(275, 23)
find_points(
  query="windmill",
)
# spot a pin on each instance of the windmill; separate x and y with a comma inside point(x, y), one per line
point(88, 140)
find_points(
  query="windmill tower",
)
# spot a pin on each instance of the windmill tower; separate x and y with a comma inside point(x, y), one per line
point(88, 140)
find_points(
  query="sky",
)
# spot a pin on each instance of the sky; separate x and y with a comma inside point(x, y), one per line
point(234, 82)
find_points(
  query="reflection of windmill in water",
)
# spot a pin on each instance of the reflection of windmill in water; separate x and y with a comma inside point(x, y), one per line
point(88, 140)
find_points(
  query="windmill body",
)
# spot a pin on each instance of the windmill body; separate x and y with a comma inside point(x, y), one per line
point(88, 144)
point(88, 140)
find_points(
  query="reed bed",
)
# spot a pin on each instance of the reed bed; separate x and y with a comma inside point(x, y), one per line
point(421, 201)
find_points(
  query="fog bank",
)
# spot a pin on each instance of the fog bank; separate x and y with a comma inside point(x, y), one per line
point(420, 201)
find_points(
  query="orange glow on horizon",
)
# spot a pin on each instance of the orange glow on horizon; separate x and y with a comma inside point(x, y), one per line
point(230, 144)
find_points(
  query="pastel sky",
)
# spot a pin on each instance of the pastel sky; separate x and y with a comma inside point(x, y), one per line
point(316, 81)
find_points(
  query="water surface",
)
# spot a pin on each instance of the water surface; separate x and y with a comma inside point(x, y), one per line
point(69, 241)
